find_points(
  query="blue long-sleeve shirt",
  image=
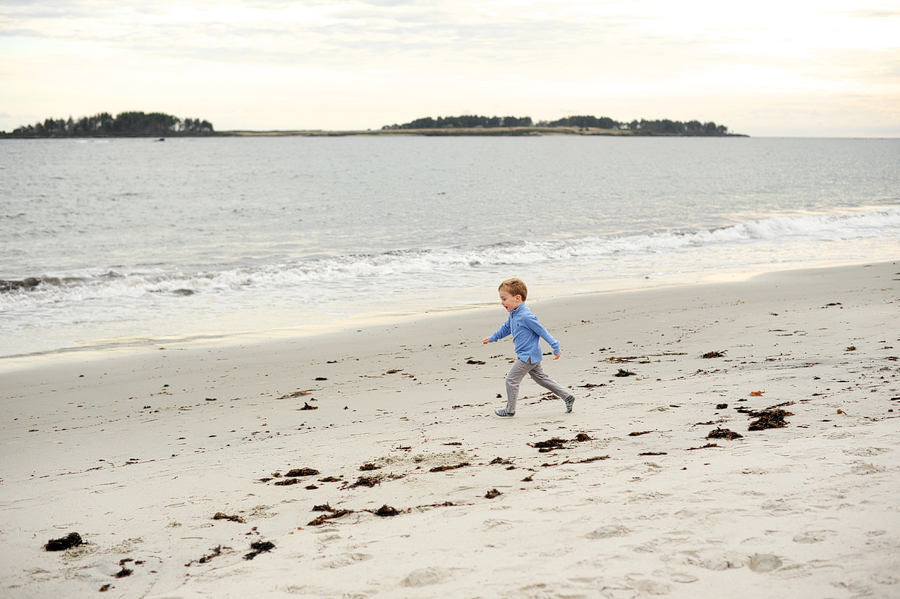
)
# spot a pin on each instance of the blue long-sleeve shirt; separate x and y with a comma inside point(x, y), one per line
point(527, 332)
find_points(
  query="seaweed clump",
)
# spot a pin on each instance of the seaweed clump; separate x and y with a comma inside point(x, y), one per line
point(771, 418)
point(723, 433)
point(329, 516)
point(445, 468)
point(73, 539)
point(386, 511)
point(366, 481)
point(224, 516)
point(259, 547)
point(550, 444)
point(302, 472)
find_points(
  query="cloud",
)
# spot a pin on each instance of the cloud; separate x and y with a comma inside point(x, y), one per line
point(529, 55)
point(872, 14)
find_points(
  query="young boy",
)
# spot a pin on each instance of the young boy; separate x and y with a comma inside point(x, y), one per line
point(527, 333)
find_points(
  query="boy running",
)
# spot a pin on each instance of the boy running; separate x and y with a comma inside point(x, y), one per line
point(527, 333)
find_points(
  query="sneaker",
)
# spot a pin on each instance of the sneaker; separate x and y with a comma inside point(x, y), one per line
point(570, 401)
point(503, 412)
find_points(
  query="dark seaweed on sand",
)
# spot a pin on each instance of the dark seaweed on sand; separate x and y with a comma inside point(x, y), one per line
point(287, 481)
point(302, 472)
point(554, 443)
point(639, 433)
point(215, 553)
point(492, 494)
point(224, 516)
point(769, 419)
point(73, 539)
point(445, 468)
point(713, 354)
point(707, 446)
point(723, 433)
point(589, 460)
point(366, 481)
point(386, 511)
point(622, 373)
point(259, 547)
point(329, 516)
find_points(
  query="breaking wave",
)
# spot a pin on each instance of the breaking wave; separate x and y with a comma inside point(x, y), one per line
point(451, 264)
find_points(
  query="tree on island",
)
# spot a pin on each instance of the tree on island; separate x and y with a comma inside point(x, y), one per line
point(465, 122)
point(667, 127)
point(604, 122)
point(126, 124)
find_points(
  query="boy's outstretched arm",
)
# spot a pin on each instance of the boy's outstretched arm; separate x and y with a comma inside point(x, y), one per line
point(486, 340)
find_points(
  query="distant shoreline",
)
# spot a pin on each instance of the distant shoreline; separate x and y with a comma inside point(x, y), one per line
point(471, 132)
point(447, 132)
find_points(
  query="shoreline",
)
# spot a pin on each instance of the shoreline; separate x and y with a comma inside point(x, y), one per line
point(136, 344)
point(138, 451)
point(436, 132)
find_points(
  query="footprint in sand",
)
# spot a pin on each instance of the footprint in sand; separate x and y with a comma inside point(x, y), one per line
point(864, 452)
point(765, 562)
point(812, 536)
point(425, 577)
point(607, 532)
point(348, 559)
point(863, 468)
point(725, 562)
point(652, 587)
point(680, 577)
point(495, 524)
point(623, 592)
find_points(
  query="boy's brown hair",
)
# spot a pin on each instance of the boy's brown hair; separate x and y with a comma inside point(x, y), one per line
point(514, 287)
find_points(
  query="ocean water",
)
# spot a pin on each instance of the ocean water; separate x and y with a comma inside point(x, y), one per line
point(135, 241)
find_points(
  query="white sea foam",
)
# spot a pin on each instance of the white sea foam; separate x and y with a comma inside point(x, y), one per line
point(395, 269)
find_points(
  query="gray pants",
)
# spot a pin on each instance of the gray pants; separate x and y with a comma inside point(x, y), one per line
point(518, 372)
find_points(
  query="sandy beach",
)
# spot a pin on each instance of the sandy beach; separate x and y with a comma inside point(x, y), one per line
point(174, 463)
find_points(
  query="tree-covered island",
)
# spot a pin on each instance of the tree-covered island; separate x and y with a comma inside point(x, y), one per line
point(573, 124)
point(125, 124)
point(158, 125)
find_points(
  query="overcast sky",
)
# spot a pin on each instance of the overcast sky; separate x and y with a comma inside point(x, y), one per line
point(765, 68)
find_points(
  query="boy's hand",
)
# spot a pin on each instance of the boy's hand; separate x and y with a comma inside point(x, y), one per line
point(556, 356)
point(486, 340)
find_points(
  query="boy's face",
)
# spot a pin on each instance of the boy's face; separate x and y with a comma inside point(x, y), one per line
point(510, 302)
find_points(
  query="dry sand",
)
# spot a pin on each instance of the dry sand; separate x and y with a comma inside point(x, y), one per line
point(138, 452)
